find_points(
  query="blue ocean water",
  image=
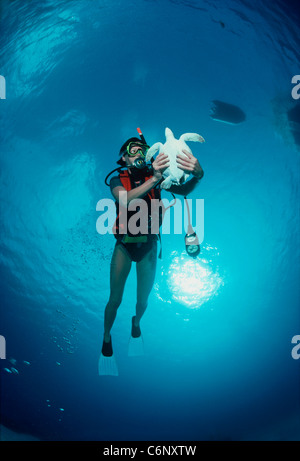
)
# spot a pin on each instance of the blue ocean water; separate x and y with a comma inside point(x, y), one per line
point(81, 76)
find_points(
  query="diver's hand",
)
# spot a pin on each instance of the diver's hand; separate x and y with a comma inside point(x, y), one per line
point(160, 164)
point(189, 164)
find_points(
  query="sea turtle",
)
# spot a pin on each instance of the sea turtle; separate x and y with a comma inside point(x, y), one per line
point(172, 147)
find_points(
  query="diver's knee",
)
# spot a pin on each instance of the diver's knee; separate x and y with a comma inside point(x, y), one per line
point(114, 302)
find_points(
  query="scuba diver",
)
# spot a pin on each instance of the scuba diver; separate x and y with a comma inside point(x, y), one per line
point(139, 181)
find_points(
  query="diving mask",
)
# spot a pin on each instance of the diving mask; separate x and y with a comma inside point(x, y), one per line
point(134, 148)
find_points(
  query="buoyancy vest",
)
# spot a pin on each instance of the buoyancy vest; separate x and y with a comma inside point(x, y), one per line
point(118, 228)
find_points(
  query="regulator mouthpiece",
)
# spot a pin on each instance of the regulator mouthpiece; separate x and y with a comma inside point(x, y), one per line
point(139, 163)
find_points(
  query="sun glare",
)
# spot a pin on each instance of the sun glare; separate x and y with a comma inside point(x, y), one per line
point(188, 281)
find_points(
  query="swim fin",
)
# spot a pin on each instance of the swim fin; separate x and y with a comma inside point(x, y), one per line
point(136, 343)
point(107, 365)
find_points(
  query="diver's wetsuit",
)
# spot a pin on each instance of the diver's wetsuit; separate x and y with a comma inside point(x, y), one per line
point(135, 250)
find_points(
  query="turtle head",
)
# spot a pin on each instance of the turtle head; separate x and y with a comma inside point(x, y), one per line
point(168, 134)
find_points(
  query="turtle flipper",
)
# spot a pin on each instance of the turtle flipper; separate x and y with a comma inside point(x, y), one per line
point(152, 151)
point(185, 177)
point(191, 137)
point(167, 183)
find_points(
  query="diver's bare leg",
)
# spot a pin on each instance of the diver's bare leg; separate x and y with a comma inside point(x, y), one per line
point(119, 270)
point(145, 270)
